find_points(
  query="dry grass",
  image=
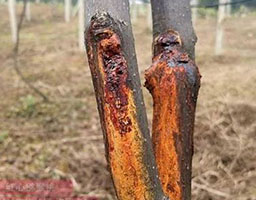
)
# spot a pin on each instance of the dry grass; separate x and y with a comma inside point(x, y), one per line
point(63, 139)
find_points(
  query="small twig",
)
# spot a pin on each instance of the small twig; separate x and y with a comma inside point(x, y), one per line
point(15, 57)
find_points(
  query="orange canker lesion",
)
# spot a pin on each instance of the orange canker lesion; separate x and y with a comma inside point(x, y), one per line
point(173, 81)
point(124, 138)
point(165, 127)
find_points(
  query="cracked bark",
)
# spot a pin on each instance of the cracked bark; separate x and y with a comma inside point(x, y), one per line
point(112, 60)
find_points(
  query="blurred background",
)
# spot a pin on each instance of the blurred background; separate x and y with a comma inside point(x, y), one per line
point(61, 138)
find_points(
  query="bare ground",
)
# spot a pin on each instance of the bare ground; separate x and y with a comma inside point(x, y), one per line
point(63, 139)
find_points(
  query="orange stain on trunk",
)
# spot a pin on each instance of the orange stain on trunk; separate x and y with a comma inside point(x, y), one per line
point(173, 81)
point(116, 103)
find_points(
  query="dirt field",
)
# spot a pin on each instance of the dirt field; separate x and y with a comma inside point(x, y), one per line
point(63, 140)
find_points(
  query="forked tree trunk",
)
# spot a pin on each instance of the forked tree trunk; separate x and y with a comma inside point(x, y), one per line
point(173, 80)
point(13, 20)
point(113, 64)
point(219, 28)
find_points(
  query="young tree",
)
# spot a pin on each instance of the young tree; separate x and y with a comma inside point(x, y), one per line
point(28, 12)
point(173, 80)
point(194, 10)
point(219, 28)
point(228, 8)
point(67, 10)
point(81, 22)
point(13, 20)
point(134, 10)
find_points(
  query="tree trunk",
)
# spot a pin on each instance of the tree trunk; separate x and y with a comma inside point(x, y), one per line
point(175, 15)
point(27, 12)
point(219, 29)
point(13, 20)
point(173, 80)
point(113, 64)
point(134, 11)
point(228, 8)
point(149, 16)
point(194, 11)
point(81, 22)
point(67, 10)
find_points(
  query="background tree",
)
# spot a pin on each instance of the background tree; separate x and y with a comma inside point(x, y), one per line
point(194, 10)
point(28, 11)
point(81, 22)
point(13, 20)
point(67, 10)
point(228, 7)
point(219, 28)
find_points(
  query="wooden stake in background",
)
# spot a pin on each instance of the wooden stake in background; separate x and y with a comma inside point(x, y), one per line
point(13, 19)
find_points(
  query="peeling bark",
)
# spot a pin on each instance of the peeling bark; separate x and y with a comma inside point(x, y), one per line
point(173, 80)
point(112, 61)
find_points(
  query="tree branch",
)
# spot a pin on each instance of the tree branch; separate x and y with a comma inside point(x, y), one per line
point(16, 54)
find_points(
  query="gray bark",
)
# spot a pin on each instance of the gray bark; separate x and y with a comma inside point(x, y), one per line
point(175, 15)
point(13, 20)
point(119, 11)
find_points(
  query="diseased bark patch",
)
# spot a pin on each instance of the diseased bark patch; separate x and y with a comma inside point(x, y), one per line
point(116, 73)
point(116, 103)
point(173, 80)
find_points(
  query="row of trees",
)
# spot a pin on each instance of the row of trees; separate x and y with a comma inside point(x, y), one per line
point(223, 11)
point(67, 17)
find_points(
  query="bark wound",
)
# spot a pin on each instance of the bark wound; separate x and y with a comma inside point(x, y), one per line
point(173, 80)
point(115, 69)
point(116, 104)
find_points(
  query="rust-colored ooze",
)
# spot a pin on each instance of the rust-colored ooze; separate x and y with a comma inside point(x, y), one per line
point(118, 111)
point(173, 80)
